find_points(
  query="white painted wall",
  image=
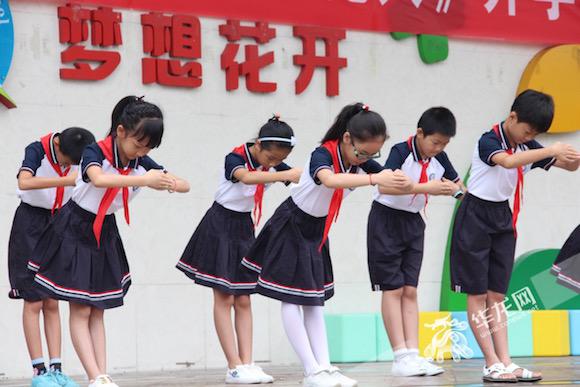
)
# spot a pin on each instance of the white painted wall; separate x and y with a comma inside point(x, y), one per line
point(167, 320)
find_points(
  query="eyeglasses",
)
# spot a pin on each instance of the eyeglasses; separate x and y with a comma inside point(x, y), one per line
point(362, 155)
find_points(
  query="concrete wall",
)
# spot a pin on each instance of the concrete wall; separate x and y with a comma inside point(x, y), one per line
point(167, 321)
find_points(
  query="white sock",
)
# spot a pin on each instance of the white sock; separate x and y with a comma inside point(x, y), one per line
point(316, 330)
point(296, 332)
point(413, 352)
point(400, 353)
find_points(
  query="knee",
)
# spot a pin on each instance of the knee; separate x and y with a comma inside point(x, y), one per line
point(477, 301)
point(409, 293)
point(50, 306)
point(395, 293)
point(78, 311)
point(495, 298)
point(32, 307)
point(242, 303)
point(222, 300)
point(97, 314)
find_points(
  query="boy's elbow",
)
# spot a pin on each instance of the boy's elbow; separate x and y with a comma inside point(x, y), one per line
point(22, 185)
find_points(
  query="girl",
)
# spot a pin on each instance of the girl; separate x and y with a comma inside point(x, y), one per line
point(213, 255)
point(291, 254)
point(45, 182)
point(80, 257)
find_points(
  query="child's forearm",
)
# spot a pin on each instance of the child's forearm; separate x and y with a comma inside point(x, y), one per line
point(104, 180)
point(260, 177)
point(342, 180)
point(521, 158)
point(33, 182)
point(418, 188)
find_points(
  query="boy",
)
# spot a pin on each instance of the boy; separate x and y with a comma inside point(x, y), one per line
point(44, 180)
point(484, 233)
point(396, 234)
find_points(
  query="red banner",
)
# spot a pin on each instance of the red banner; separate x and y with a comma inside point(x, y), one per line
point(533, 21)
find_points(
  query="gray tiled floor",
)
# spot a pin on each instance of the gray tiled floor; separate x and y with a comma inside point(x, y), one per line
point(558, 371)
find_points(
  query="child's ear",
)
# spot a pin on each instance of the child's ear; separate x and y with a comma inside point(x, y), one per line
point(346, 138)
point(258, 145)
point(121, 132)
point(513, 116)
point(420, 132)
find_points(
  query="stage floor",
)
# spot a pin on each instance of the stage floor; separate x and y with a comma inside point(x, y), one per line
point(558, 371)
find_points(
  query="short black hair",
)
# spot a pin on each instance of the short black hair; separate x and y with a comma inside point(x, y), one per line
point(437, 120)
point(72, 142)
point(535, 109)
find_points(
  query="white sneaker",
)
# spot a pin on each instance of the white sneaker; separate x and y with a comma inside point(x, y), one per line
point(103, 380)
point(242, 375)
point(407, 367)
point(260, 374)
point(429, 368)
point(343, 381)
point(320, 378)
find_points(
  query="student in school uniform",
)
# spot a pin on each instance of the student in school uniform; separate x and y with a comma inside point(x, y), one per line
point(214, 253)
point(80, 257)
point(291, 254)
point(48, 172)
point(396, 233)
point(484, 231)
point(567, 264)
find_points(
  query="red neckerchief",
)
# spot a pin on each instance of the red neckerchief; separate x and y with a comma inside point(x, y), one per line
point(336, 201)
point(259, 194)
point(47, 145)
point(519, 194)
point(424, 165)
point(106, 146)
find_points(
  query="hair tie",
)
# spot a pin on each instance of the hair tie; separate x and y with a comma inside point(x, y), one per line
point(275, 117)
point(138, 99)
point(365, 107)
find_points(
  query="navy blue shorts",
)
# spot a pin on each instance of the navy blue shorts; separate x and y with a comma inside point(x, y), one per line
point(483, 247)
point(395, 241)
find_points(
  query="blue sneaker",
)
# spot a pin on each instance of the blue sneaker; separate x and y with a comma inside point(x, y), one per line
point(63, 380)
point(45, 380)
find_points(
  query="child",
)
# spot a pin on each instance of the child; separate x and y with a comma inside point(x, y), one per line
point(48, 171)
point(291, 254)
point(80, 257)
point(567, 264)
point(484, 234)
point(213, 255)
point(396, 234)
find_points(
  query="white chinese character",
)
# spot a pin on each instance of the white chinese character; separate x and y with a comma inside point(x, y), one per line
point(554, 11)
point(524, 297)
point(482, 319)
point(500, 309)
point(442, 5)
point(491, 4)
point(445, 7)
